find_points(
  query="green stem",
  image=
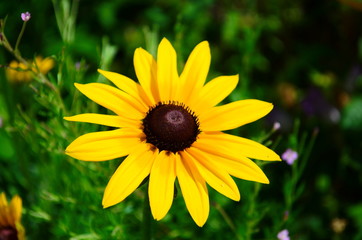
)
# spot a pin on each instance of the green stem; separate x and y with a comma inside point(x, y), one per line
point(20, 36)
point(227, 219)
point(147, 221)
point(6, 43)
point(252, 221)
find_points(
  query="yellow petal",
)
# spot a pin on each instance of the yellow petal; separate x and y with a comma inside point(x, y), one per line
point(194, 75)
point(213, 93)
point(128, 176)
point(128, 85)
point(106, 145)
point(215, 176)
point(5, 219)
point(10, 72)
point(115, 100)
point(244, 168)
point(146, 71)
point(45, 65)
point(194, 190)
point(3, 210)
point(167, 76)
point(161, 185)
point(238, 166)
point(237, 146)
point(234, 115)
point(3, 200)
point(10, 214)
point(15, 208)
point(3, 222)
point(106, 120)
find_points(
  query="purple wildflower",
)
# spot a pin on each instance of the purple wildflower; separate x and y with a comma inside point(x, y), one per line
point(290, 156)
point(77, 66)
point(276, 126)
point(25, 16)
point(283, 235)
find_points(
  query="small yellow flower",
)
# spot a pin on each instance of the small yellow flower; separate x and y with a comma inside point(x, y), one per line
point(170, 128)
point(14, 75)
point(25, 75)
point(10, 216)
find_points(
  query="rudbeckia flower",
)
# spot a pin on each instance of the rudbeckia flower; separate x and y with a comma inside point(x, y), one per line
point(18, 72)
point(170, 127)
point(10, 215)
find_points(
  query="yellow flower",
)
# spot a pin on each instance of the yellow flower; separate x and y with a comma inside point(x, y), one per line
point(10, 215)
point(170, 127)
point(25, 75)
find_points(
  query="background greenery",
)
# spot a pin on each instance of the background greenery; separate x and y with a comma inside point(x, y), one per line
point(304, 56)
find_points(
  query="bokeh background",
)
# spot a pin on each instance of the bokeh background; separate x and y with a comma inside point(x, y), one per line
point(305, 56)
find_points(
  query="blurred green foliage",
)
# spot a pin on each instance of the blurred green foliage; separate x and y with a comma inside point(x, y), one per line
point(304, 56)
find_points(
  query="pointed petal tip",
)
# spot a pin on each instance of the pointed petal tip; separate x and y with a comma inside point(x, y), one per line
point(138, 49)
point(267, 108)
point(266, 181)
point(206, 43)
point(105, 204)
point(157, 217)
point(67, 151)
point(78, 85)
point(271, 105)
point(101, 71)
point(155, 214)
point(236, 197)
point(273, 157)
point(204, 46)
point(200, 223)
point(139, 52)
point(235, 78)
point(164, 39)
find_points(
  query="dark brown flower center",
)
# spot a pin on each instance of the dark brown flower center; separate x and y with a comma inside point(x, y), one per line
point(8, 233)
point(171, 127)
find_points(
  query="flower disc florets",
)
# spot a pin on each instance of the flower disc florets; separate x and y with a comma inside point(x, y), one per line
point(8, 233)
point(171, 126)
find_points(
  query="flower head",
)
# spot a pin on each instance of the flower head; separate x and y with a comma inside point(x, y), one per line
point(10, 216)
point(283, 235)
point(25, 16)
point(19, 72)
point(170, 128)
point(290, 156)
point(276, 126)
